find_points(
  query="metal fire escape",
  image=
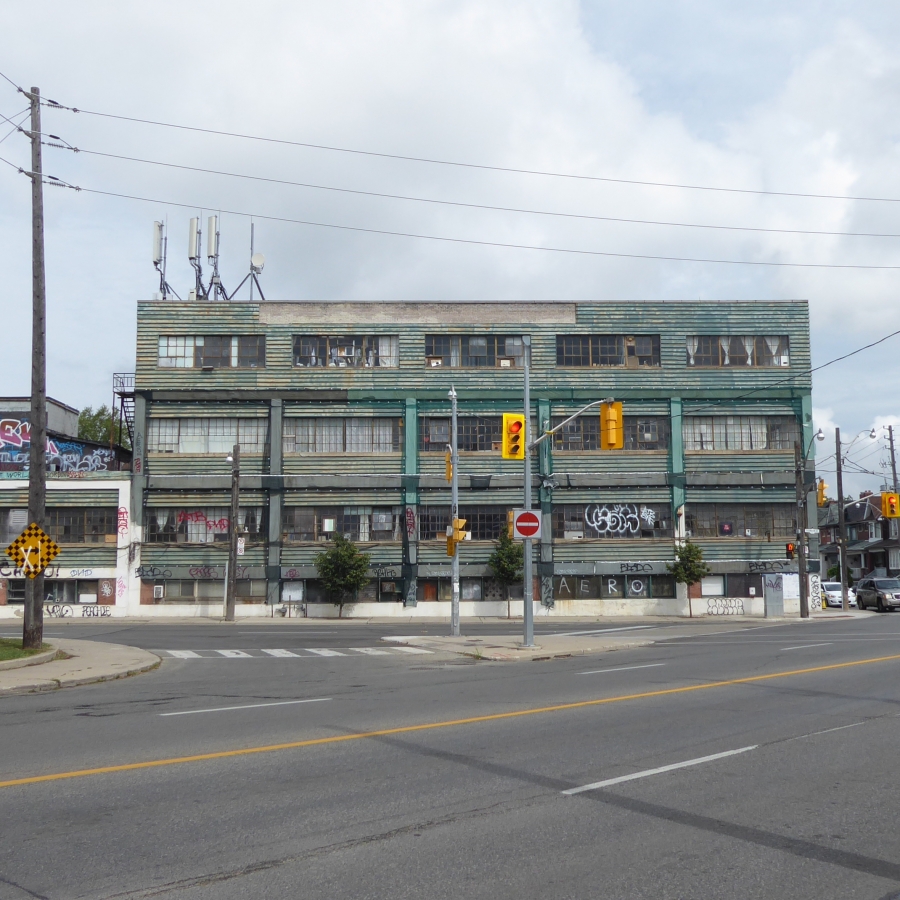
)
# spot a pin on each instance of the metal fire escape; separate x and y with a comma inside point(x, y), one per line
point(123, 408)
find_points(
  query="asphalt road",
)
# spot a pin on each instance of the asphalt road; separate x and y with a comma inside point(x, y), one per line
point(423, 776)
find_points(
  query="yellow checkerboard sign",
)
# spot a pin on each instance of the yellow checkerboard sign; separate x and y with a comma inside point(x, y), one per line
point(32, 551)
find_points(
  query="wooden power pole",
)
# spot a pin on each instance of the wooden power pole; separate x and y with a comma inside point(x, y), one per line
point(33, 627)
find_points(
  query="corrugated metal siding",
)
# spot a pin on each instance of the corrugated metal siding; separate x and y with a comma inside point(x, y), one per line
point(344, 463)
point(19, 498)
point(203, 463)
point(638, 462)
point(733, 461)
point(85, 556)
point(588, 550)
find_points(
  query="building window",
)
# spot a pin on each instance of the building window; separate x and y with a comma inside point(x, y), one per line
point(353, 351)
point(12, 523)
point(740, 432)
point(203, 525)
point(356, 523)
point(583, 434)
point(342, 435)
point(584, 587)
point(212, 351)
point(484, 523)
point(744, 520)
point(894, 558)
point(473, 433)
point(75, 525)
point(191, 435)
point(611, 520)
point(718, 351)
point(632, 351)
point(496, 350)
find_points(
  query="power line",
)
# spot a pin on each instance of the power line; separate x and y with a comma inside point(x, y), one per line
point(465, 165)
point(458, 203)
point(11, 81)
point(482, 243)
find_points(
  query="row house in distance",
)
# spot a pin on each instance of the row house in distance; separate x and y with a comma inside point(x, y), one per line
point(873, 542)
point(341, 411)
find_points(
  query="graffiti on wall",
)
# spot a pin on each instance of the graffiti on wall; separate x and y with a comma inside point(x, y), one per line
point(62, 455)
point(620, 519)
point(199, 517)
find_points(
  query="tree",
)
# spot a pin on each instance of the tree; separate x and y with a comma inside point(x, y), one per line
point(343, 570)
point(507, 560)
point(688, 567)
point(94, 425)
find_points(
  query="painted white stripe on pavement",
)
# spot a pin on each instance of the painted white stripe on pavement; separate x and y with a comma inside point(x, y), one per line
point(234, 654)
point(370, 651)
point(184, 654)
point(324, 652)
point(660, 770)
point(412, 650)
point(280, 653)
point(806, 646)
point(191, 712)
point(596, 631)
point(621, 669)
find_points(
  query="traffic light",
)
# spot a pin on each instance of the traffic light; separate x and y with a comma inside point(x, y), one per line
point(612, 430)
point(890, 506)
point(510, 522)
point(448, 463)
point(789, 548)
point(513, 445)
point(820, 492)
point(455, 534)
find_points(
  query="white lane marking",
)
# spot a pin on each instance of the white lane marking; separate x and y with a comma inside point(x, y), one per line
point(829, 730)
point(620, 669)
point(191, 712)
point(411, 650)
point(658, 771)
point(806, 646)
point(184, 654)
point(276, 629)
point(324, 652)
point(234, 654)
point(595, 631)
point(280, 653)
point(370, 651)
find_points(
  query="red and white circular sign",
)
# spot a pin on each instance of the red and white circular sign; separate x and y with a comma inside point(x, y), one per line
point(527, 524)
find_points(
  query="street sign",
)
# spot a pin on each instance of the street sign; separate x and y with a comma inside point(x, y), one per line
point(240, 546)
point(526, 524)
point(32, 551)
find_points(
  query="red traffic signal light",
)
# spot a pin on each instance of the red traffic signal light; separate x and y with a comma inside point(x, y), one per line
point(513, 446)
point(789, 548)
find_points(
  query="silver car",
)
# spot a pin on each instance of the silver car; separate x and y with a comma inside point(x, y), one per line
point(879, 593)
point(832, 592)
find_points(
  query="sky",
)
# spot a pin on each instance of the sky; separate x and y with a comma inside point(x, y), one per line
point(791, 98)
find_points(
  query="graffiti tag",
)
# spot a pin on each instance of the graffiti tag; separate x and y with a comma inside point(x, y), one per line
point(636, 567)
point(619, 518)
point(122, 520)
point(724, 606)
point(58, 611)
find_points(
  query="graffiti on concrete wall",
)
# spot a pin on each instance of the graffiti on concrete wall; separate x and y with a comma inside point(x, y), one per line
point(724, 606)
point(62, 454)
point(619, 519)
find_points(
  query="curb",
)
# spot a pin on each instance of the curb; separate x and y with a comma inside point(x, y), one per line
point(54, 684)
point(36, 660)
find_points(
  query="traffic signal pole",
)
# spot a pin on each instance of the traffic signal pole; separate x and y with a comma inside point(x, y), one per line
point(842, 520)
point(528, 592)
point(454, 515)
point(800, 482)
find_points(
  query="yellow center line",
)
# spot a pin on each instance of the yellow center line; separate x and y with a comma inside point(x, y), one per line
point(427, 726)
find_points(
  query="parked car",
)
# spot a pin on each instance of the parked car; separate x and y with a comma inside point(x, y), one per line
point(832, 591)
point(879, 593)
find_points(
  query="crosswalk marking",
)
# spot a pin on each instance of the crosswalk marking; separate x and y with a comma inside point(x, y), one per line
point(296, 653)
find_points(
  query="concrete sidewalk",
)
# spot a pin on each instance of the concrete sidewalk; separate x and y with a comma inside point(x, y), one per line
point(88, 662)
point(507, 647)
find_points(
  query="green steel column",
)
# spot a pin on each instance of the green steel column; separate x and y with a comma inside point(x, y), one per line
point(676, 453)
point(139, 464)
point(276, 501)
point(410, 500)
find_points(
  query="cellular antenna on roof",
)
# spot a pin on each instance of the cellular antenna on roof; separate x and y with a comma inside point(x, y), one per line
point(160, 251)
point(194, 237)
point(215, 291)
point(257, 261)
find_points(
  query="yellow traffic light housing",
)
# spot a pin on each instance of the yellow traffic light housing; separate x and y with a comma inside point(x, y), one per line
point(455, 534)
point(612, 426)
point(513, 443)
point(510, 522)
point(448, 463)
point(820, 492)
point(890, 506)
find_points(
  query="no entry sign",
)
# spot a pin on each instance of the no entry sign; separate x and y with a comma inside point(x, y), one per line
point(526, 524)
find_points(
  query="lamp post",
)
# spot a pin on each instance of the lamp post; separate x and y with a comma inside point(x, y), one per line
point(800, 459)
point(231, 567)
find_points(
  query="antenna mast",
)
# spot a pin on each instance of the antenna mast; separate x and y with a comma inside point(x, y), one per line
point(160, 254)
point(194, 237)
point(257, 261)
point(215, 290)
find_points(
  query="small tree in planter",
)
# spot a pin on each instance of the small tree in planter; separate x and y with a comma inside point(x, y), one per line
point(343, 570)
point(689, 567)
point(507, 560)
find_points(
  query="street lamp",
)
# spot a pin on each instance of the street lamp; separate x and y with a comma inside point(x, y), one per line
point(231, 565)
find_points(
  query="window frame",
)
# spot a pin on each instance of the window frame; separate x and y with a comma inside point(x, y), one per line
point(457, 351)
point(710, 351)
point(326, 351)
point(608, 351)
point(312, 424)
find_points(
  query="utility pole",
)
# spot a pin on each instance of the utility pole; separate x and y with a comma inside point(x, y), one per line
point(33, 626)
point(893, 457)
point(799, 478)
point(231, 572)
point(842, 522)
point(528, 592)
point(454, 514)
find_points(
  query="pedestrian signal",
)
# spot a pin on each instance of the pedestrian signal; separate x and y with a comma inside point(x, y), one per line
point(513, 445)
point(890, 506)
point(820, 492)
point(612, 429)
point(455, 534)
point(789, 548)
